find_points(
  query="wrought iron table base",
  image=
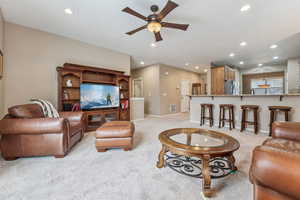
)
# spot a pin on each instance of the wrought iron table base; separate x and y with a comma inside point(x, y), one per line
point(191, 166)
point(205, 167)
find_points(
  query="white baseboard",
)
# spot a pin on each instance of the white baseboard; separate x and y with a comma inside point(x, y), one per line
point(136, 120)
point(160, 116)
point(153, 116)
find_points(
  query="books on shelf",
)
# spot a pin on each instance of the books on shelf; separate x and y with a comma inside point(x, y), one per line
point(71, 107)
point(76, 107)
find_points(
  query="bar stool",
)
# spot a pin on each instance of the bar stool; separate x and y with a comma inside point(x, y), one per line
point(222, 119)
point(274, 110)
point(245, 122)
point(210, 114)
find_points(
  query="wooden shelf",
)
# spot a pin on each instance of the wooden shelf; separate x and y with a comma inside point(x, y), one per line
point(99, 82)
point(84, 74)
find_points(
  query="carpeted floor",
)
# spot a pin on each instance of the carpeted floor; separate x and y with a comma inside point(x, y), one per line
point(118, 175)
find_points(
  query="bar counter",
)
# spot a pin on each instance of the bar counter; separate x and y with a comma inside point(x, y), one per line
point(263, 101)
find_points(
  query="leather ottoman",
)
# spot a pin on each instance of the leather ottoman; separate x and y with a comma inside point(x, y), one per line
point(115, 134)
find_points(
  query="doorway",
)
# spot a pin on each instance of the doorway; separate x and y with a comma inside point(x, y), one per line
point(138, 87)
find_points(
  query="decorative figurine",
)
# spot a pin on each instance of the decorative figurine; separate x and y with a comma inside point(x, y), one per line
point(69, 83)
point(66, 95)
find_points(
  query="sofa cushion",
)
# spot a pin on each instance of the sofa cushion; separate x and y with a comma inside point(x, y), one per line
point(117, 123)
point(283, 144)
point(26, 111)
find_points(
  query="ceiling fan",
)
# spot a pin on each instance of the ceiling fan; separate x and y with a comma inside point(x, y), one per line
point(154, 21)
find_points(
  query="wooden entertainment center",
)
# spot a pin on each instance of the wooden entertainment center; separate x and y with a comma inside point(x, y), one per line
point(71, 76)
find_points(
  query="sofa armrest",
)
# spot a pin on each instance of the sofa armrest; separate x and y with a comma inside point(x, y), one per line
point(286, 130)
point(72, 116)
point(277, 169)
point(33, 126)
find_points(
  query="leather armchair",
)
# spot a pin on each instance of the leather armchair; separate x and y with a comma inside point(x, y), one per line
point(25, 132)
point(275, 169)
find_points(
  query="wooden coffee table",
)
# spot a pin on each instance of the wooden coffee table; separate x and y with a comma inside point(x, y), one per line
point(198, 153)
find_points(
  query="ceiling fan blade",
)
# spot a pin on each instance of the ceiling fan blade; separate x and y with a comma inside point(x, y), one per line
point(134, 13)
point(176, 26)
point(158, 37)
point(167, 9)
point(136, 30)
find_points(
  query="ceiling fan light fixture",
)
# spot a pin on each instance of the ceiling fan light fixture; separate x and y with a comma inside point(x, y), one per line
point(154, 22)
point(154, 27)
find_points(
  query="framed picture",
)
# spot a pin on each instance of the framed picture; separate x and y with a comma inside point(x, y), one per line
point(1, 64)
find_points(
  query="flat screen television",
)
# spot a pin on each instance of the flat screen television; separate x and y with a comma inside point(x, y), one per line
point(96, 96)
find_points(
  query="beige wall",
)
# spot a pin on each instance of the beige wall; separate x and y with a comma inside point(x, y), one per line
point(137, 108)
point(32, 57)
point(170, 82)
point(150, 77)
point(293, 75)
point(2, 80)
point(208, 81)
point(161, 90)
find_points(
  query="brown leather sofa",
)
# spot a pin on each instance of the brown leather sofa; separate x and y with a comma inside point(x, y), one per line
point(26, 132)
point(275, 170)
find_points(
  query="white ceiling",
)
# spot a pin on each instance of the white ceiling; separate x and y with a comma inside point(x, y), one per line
point(217, 27)
point(287, 48)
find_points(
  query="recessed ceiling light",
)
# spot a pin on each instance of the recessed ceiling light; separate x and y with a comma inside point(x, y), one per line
point(242, 62)
point(243, 44)
point(153, 44)
point(275, 57)
point(274, 46)
point(232, 55)
point(197, 67)
point(142, 62)
point(205, 70)
point(68, 11)
point(260, 64)
point(245, 8)
point(187, 64)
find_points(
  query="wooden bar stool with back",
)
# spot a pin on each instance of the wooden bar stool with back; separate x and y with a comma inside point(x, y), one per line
point(222, 119)
point(245, 122)
point(210, 116)
point(274, 110)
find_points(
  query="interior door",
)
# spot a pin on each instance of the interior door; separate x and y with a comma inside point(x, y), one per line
point(185, 88)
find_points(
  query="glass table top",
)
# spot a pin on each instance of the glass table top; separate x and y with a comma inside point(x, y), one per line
point(197, 140)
